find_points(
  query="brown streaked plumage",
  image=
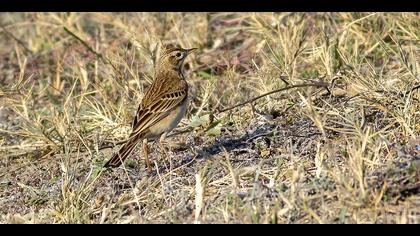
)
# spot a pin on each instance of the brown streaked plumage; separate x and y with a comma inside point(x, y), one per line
point(162, 107)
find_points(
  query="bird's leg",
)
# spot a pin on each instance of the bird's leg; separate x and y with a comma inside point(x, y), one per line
point(146, 152)
point(162, 144)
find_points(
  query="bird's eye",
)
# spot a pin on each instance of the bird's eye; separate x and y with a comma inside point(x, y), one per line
point(178, 54)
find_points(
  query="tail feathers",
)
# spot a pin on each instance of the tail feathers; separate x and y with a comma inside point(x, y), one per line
point(123, 153)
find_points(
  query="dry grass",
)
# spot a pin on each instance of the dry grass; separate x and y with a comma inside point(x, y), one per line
point(346, 154)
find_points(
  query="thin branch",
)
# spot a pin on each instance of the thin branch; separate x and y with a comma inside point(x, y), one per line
point(30, 146)
point(87, 46)
point(20, 42)
point(317, 84)
point(415, 88)
point(112, 145)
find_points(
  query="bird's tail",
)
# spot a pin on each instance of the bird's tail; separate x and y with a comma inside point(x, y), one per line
point(124, 152)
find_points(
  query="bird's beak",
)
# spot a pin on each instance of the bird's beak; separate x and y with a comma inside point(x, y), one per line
point(188, 51)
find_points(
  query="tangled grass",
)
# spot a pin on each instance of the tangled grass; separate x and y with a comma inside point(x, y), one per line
point(70, 84)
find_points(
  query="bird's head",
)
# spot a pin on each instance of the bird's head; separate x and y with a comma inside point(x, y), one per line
point(174, 57)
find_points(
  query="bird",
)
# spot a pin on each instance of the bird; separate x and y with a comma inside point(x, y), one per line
point(162, 107)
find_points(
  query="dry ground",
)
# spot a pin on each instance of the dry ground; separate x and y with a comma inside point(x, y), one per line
point(349, 153)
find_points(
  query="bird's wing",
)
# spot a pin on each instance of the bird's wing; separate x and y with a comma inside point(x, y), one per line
point(157, 104)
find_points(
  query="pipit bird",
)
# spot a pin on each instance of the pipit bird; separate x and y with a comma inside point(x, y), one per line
point(162, 107)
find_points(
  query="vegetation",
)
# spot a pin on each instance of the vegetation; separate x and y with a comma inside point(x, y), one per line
point(70, 84)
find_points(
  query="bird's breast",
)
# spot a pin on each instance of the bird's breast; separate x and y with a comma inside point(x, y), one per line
point(169, 122)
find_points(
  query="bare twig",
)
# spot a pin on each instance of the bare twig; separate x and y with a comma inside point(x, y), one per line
point(99, 55)
point(20, 42)
point(415, 88)
point(106, 146)
point(113, 144)
point(85, 44)
point(38, 160)
point(28, 146)
point(317, 84)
